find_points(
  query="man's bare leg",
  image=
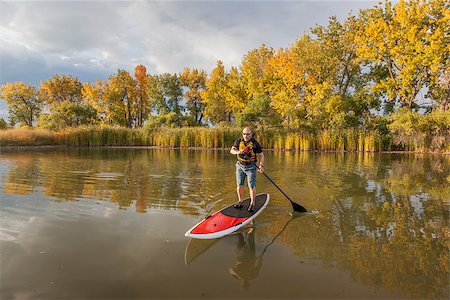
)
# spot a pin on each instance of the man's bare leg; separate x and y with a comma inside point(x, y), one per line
point(252, 195)
point(240, 192)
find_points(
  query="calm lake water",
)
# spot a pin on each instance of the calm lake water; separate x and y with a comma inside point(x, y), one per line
point(110, 223)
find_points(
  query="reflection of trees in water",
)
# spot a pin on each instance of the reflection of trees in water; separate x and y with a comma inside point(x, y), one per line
point(389, 247)
point(25, 176)
point(161, 178)
point(404, 250)
point(384, 218)
point(388, 225)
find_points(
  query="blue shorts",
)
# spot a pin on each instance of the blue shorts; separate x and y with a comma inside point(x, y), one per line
point(246, 171)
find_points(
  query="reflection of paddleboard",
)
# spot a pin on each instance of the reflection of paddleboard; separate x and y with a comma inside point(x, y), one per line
point(195, 248)
point(228, 219)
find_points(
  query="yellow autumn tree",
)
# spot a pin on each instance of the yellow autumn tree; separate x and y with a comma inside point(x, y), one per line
point(287, 83)
point(67, 107)
point(23, 102)
point(410, 42)
point(121, 98)
point(318, 81)
point(236, 96)
point(61, 88)
point(316, 90)
point(96, 95)
point(256, 80)
point(254, 71)
point(214, 95)
point(141, 107)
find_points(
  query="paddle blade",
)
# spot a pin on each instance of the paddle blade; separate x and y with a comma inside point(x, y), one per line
point(297, 207)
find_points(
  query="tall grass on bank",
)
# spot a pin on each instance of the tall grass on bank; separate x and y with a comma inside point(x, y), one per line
point(326, 140)
point(203, 137)
point(27, 137)
point(349, 140)
point(198, 137)
point(95, 136)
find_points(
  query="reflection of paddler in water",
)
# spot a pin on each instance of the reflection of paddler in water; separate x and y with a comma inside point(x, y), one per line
point(248, 265)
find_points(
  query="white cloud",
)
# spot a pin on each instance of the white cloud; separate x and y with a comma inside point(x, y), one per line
point(89, 39)
point(92, 39)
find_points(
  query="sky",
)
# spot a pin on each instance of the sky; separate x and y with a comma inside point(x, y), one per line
point(92, 39)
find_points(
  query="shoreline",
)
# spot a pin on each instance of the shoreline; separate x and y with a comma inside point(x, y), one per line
point(63, 147)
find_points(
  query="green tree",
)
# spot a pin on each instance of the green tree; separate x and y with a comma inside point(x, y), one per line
point(67, 114)
point(319, 81)
point(195, 82)
point(436, 126)
point(165, 95)
point(23, 102)
point(172, 92)
point(156, 97)
point(259, 112)
point(70, 103)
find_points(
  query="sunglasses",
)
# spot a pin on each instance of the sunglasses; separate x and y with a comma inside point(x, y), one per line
point(246, 133)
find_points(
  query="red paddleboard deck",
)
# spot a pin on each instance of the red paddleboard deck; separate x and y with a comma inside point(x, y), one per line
point(228, 220)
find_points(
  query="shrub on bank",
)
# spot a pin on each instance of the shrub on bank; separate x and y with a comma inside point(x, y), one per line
point(412, 131)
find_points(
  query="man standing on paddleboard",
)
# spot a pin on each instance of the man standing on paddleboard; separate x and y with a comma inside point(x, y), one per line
point(248, 150)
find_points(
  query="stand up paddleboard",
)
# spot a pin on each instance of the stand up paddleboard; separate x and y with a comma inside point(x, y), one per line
point(228, 220)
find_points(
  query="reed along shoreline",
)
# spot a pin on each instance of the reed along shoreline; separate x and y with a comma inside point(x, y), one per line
point(347, 140)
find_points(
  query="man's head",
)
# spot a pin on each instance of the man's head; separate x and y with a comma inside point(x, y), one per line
point(247, 134)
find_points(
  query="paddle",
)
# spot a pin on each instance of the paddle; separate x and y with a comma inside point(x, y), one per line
point(295, 206)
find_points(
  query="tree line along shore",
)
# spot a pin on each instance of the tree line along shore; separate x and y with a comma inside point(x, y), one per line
point(376, 81)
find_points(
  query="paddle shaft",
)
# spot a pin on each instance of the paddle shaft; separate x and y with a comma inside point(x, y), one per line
point(277, 187)
point(295, 206)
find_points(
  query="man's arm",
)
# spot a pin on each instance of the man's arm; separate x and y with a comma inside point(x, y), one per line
point(235, 148)
point(261, 162)
point(236, 151)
